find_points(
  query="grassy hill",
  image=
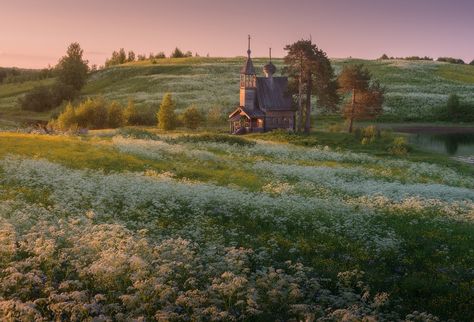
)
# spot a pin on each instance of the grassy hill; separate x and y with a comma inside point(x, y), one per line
point(415, 88)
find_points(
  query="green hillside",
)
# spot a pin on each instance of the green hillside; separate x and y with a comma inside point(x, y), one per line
point(415, 88)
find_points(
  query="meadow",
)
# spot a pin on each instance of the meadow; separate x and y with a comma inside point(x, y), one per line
point(138, 224)
point(416, 90)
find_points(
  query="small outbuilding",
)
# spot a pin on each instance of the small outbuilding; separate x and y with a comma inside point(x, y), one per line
point(265, 104)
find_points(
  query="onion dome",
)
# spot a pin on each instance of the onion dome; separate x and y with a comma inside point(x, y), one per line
point(269, 69)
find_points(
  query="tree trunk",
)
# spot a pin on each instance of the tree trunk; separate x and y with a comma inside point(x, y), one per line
point(309, 84)
point(351, 117)
point(300, 93)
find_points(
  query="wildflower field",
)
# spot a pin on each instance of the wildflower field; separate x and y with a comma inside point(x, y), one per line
point(416, 90)
point(132, 224)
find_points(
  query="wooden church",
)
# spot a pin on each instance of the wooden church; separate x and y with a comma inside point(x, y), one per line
point(264, 102)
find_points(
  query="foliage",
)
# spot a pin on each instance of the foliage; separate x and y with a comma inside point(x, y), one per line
point(370, 134)
point(451, 60)
point(456, 111)
point(72, 69)
point(192, 117)
point(116, 115)
point(367, 95)
point(166, 115)
point(400, 146)
point(308, 66)
point(45, 98)
point(177, 53)
point(94, 113)
point(215, 115)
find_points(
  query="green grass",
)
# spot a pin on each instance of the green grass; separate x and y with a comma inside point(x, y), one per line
point(418, 276)
point(415, 88)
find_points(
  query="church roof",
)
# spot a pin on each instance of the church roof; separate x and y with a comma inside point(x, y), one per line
point(248, 68)
point(272, 94)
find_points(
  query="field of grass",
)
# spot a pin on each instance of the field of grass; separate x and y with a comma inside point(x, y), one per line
point(134, 224)
point(415, 88)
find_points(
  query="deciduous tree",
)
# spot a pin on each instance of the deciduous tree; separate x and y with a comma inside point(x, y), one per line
point(72, 68)
point(367, 94)
point(192, 117)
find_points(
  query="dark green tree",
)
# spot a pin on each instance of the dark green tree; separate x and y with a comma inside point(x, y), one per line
point(177, 53)
point(72, 68)
point(310, 73)
point(131, 56)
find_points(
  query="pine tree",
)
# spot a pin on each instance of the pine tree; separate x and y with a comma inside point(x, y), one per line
point(166, 115)
point(309, 72)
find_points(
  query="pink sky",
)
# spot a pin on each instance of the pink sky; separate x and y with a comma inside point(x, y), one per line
point(35, 33)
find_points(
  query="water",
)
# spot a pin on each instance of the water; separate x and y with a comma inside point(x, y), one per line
point(452, 144)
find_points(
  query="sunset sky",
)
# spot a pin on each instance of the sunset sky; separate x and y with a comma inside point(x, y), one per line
point(36, 33)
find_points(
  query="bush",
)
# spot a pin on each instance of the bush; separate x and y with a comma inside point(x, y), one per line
point(451, 60)
point(38, 100)
point(116, 117)
point(472, 62)
point(369, 134)
point(215, 116)
point(93, 113)
point(399, 146)
point(45, 98)
point(456, 111)
point(192, 118)
point(67, 119)
point(166, 115)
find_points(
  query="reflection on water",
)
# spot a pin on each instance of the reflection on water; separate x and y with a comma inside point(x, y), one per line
point(455, 144)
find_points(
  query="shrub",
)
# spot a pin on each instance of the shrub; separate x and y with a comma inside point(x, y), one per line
point(166, 115)
point(67, 119)
point(94, 113)
point(45, 98)
point(192, 118)
point(215, 115)
point(472, 62)
point(131, 114)
point(116, 117)
point(453, 105)
point(399, 146)
point(38, 100)
point(451, 60)
point(369, 134)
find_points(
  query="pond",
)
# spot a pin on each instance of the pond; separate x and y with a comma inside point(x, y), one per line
point(452, 144)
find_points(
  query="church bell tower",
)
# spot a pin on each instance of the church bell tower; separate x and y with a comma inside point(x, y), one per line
point(248, 82)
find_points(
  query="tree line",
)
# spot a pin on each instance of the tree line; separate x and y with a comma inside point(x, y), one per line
point(450, 60)
point(121, 56)
point(98, 113)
